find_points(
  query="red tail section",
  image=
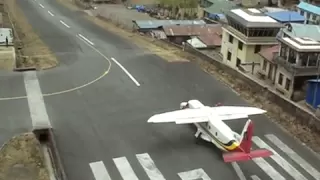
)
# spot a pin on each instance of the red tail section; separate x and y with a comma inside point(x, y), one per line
point(243, 152)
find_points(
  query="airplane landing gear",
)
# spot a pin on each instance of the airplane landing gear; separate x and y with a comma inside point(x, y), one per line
point(197, 135)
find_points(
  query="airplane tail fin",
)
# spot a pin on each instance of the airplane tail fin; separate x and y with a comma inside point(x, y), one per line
point(244, 152)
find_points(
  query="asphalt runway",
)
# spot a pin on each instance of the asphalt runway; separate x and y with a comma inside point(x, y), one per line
point(101, 95)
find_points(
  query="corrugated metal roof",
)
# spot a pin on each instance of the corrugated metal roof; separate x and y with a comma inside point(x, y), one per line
point(152, 24)
point(192, 30)
point(220, 6)
point(211, 40)
point(196, 43)
point(309, 7)
point(268, 53)
point(286, 16)
point(304, 30)
point(6, 32)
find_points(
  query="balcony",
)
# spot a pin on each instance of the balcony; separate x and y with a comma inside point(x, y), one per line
point(295, 69)
point(251, 40)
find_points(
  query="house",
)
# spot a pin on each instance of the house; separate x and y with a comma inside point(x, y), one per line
point(313, 93)
point(310, 12)
point(297, 62)
point(210, 8)
point(206, 41)
point(149, 25)
point(179, 34)
point(247, 33)
point(287, 17)
point(268, 66)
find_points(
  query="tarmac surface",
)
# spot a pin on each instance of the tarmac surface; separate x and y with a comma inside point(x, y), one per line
point(104, 90)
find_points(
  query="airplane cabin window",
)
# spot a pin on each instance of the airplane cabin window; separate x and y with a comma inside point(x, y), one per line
point(216, 134)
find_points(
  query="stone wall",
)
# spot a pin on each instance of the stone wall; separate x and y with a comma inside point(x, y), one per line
point(246, 83)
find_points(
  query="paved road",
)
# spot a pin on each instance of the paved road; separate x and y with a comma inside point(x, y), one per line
point(99, 112)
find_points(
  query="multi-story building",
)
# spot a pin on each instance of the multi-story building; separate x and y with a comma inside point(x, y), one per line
point(279, 68)
point(297, 61)
point(310, 12)
point(248, 31)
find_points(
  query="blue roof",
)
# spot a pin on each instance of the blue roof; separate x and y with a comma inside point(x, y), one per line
point(314, 80)
point(149, 24)
point(309, 7)
point(286, 16)
point(216, 15)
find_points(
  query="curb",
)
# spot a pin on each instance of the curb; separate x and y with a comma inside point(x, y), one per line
point(46, 136)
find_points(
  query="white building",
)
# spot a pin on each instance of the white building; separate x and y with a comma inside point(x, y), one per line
point(310, 12)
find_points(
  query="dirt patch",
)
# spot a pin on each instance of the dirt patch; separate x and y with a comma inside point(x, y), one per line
point(21, 158)
point(7, 58)
point(30, 50)
point(171, 53)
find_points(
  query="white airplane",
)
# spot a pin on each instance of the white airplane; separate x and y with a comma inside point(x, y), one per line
point(211, 128)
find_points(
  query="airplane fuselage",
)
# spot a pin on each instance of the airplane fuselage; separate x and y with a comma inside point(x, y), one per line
point(215, 131)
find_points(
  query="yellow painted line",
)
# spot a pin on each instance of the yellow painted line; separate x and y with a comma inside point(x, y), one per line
point(64, 91)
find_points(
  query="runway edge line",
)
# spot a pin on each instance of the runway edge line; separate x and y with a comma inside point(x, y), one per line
point(41, 125)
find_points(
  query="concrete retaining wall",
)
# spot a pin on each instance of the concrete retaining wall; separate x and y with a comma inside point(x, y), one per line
point(301, 115)
point(46, 136)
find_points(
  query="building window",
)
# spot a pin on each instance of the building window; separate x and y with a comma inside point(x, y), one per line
point(230, 38)
point(308, 15)
point(280, 79)
point(288, 82)
point(240, 45)
point(257, 48)
point(264, 66)
point(314, 17)
point(229, 56)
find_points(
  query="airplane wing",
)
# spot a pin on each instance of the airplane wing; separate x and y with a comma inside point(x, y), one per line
point(235, 112)
point(184, 116)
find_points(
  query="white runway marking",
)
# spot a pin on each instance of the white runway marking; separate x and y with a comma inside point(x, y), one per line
point(66, 25)
point(87, 40)
point(149, 167)
point(294, 156)
point(125, 168)
point(99, 171)
point(41, 5)
point(254, 177)
point(279, 160)
point(125, 71)
point(38, 112)
point(95, 49)
point(196, 174)
point(268, 169)
point(50, 13)
point(238, 170)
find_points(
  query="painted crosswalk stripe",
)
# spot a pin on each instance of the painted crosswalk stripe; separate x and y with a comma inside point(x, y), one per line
point(294, 156)
point(99, 171)
point(194, 175)
point(255, 177)
point(279, 160)
point(125, 168)
point(268, 169)
point(149, 167)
